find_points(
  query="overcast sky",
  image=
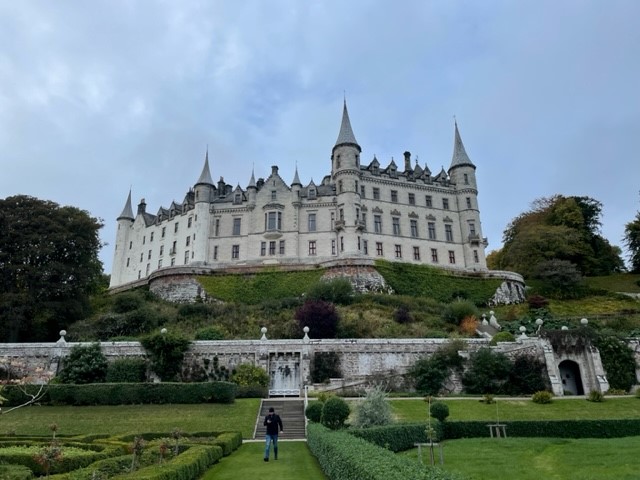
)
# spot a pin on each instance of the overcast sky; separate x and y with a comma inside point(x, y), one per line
point(102, 96)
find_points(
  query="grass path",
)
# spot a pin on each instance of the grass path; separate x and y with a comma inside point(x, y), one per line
point(295, 462)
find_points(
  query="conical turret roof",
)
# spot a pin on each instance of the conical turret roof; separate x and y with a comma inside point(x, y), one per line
point(205, 176)
point(296, 178)
point(460, 156)
point(127, 211)
point(346, 135)
point(252, 180)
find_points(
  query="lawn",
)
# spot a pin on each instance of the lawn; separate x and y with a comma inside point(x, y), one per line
point(294, 462)
point(525, 409)
point(536, 458)
point(35, 420)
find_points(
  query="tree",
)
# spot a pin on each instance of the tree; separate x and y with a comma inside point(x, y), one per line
point(321, 317)
point(48, 267)
point(632, 241)
point(374, 410)
point(85, 364)
point(488, 372)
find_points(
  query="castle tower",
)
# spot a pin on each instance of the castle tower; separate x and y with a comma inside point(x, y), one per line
point(252, 189)
point(125, 222)
point(462, 173)
point(345, 173)
point(204, 192)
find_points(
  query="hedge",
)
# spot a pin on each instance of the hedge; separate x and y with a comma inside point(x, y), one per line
point(343, 457)
point(398, 437)
point(229, 442)
point(252, 391)
point(15, 472)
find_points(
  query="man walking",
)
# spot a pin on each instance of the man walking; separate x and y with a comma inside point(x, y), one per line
point(274, 424)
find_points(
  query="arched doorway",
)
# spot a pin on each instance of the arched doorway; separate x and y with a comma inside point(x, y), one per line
point(571, 379)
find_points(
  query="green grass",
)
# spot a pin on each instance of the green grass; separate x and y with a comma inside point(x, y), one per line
point(294, 462)
point(35, 420)
point(623, 282)
point(569, 409)
point(536, 458)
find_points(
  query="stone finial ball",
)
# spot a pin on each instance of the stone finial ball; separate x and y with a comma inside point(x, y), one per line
point(305, 329)
point(539, 321)
point(584, 321)
point(564, 327)
point(163, 331)
point(63, 333)
point(491, 312)
point(523, 329)
point(263, 330)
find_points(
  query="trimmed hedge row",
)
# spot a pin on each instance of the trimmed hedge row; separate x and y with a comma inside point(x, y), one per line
point(108, 467)
point(229, 442)
point(399, 437)
point(343, 457)
point(15, 472)
point(128, 393)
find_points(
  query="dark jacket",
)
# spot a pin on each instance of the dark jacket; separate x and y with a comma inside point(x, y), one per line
point(272, 422)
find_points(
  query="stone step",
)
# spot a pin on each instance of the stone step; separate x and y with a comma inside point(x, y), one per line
point(292, 414)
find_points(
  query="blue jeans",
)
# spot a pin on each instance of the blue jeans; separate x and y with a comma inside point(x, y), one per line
point(267, 448)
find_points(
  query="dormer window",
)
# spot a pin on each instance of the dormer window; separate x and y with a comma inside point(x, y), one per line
point(312, 193)
point(237, 198)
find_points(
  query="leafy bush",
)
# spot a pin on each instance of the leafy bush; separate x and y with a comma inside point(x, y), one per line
point(321, 317)
point(542, 397)
point(247, 374)
point(127, 370)
point(618, 361)
point(15, 472)
point(314, 411)
point(397, 437)
point(337, 290)
point(325, 365)
point(166, 351)
point(616, 392)
point(85, 364)
point(488, 372)
point(127, 302)
point(430, 373)
point(456, 311)
point(439, 411)
point(402, 315)
point(560, 279)
point(374, 410)
point(210, 333)
point(536, 302)
point(595, 396)
point(334, 413)
point(528, 375)
point(502, 337)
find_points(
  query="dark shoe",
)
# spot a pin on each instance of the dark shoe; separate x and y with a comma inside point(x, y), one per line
point(266, 459)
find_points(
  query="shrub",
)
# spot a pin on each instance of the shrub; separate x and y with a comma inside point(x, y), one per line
point(166, 351)
point(542, 397)
point(402, 315)
point(618, 361)
point(123, 370)
point(321, 317)
point(429, 374)
point(15, 472)
point(314, 411)
point(502, 337)
point(528, 375)
point(595, 396)
point(469, 325)
point(488, 372)
point(456, 311)
point(559, 279)
point(334, 413)
point(325, 365)
point(210, 333)
point(247, 374)
point(337, 290)
point(374, 410)
point(537, 302)
point(616, 392)
point(488, 399)
point(127, 302)
point(85, 364)
point(439, 411)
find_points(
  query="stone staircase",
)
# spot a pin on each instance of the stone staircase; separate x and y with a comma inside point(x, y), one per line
point(292, 414)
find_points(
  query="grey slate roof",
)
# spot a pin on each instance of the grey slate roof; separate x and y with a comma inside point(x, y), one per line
point(296, 178)
point(460, 156)
point(346, 133)
point(205, 176)
point(252, 181)
point(127, 211)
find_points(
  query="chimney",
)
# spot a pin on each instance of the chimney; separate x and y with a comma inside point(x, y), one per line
point(274, 170)
point(142, 207)
point(407, 161)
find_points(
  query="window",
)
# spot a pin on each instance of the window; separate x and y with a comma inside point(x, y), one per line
point(376, 193)
point(341, 215)
point(356, 189)
point(151, 237)
point(141, 257)
point(130, 245)
point(263, 249)
point(175, 227)
point(379, 249)
point(217, 229)
point(235, 251)
point(186, 257)
point(363, 217)
point(468, 202)
point(272, 248)
point(416, 253)
point(333, 247)
point(476, 259)
point(429, 201)
point(173, 261)
point(189, 222)
point(396, 225)
point(339, 186)
point(434, 255)
point(445, 204)
point(431, 226)
point(338, 161)
point(472, 228)
point(452, 256)
point(412, 199)
point(333, 220)
point(161, 250)
point(362, 191)
point(274, 194)
point(173, 249)
point(164, 231)
point(312, 247)
point(139, 273)
point(448, 233)
point(215, 252)
point(358, 242)
point(273, 221)
point(414, 228)
point(342, 244)
point(377, 223)
point(398, 251)
point(237, 198)
point(311, 193)
point(394, 196)
point(188, 241)
point(144, 239)
point(160, 263)
point(365, 247)
point(128, 261)
point(149, 256)
point(312, 222)
point(236, 226)
point(281, 247)
point(466, 179)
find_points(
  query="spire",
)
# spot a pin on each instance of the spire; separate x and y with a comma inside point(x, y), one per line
point(127, 211)
point(205, 176)
point(296, 178)
point(460, 156)
point(346, 135)
point(252, 181)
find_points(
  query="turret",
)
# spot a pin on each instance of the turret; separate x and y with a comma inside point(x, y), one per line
point(252, 189)
point(462, 170)
point(296, 185)
point(125, 221)
point(204, 186)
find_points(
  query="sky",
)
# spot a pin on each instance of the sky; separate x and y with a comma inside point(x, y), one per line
point(100, 97)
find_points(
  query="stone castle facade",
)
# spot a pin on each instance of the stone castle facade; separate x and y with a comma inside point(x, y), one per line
point(360, 212)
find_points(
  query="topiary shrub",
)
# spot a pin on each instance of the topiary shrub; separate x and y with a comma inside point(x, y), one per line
point(595, 396)
point(210, 333)
point(247, 375)
point(314, 411)
point(85, 364)
point(374, 410)
point(127, 370)
point(166, 351)
point(334, 413)
point(542, 397)
point(439, 411)
point(502, 337)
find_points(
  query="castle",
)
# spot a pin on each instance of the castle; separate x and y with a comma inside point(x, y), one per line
point(358, 212)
